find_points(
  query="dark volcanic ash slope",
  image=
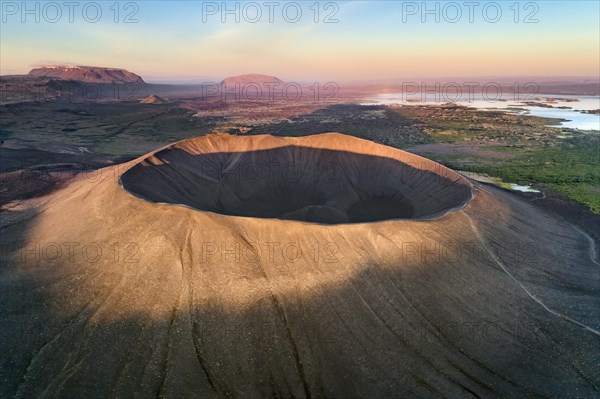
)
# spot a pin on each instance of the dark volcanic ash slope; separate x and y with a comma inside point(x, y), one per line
point(87, 74)
point(459, 296)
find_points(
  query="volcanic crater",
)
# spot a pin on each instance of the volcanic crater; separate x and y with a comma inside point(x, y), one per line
point(320, 179)
point(195, 303)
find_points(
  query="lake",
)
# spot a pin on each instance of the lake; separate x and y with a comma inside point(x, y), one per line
point(574, 118)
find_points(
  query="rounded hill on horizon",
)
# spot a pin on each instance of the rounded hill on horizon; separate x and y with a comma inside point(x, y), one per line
point(251, 78)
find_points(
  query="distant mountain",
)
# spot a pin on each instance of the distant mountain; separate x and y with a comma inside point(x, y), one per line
point(153, 99)
point(87, 74)
point(251, 78)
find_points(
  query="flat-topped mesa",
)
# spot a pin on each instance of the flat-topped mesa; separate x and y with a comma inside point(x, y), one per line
point(327, 178)
point(87, 74)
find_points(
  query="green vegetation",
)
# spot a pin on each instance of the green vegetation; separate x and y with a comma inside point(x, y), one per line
point(584, 193)
point(572, 169)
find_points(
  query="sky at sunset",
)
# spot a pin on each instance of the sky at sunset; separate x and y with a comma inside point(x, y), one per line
point(188, 40)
